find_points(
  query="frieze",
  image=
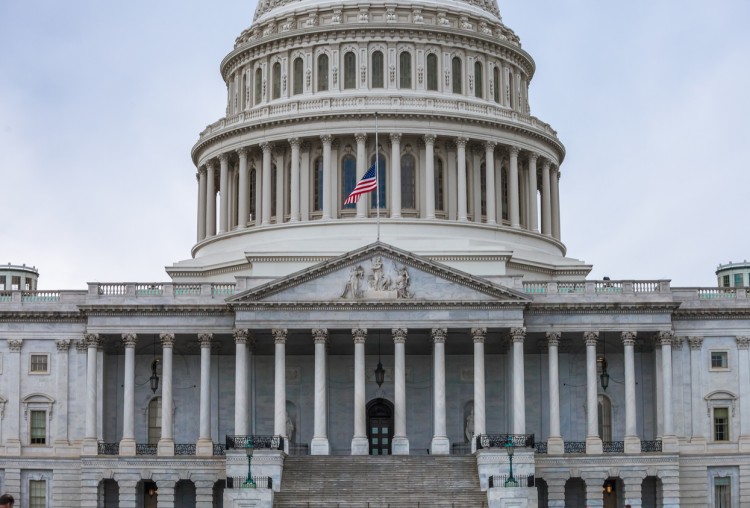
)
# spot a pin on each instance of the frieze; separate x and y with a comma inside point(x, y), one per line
point(379, 281)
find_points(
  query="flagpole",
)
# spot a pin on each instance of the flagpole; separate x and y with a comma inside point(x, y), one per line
point(377, 176)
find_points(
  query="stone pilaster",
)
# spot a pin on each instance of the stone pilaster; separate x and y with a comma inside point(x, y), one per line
point(669, 439)
point(61, 434)
point(518, 335)
point(400, 439)
point(360, 446)
point(165, 446)
point(555, 444)
point(90, 444)
point(632, 441)
point(279, 412)
point(127, 443)
point(593, 440)
point(240, 382)
point(480, 412)
point(320, 444)
point(743, 367)
point(204, 446)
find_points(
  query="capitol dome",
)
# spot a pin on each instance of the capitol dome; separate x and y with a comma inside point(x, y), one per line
point(437, 92)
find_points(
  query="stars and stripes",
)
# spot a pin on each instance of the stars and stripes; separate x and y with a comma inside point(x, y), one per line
point(367, 183)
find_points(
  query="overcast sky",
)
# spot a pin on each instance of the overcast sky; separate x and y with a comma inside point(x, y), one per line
point(101, 102)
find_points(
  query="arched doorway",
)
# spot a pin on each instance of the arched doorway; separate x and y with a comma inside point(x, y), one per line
point(380, 426)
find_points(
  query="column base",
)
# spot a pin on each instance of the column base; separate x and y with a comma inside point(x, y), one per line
point(320, 446)
point(360, 446)
point(90, 446)
point(127, 447)
point(632, 444)
point(670, 444)
point(555, 446)
point(594, 446)
point(165, 448)
point(400, 446)
point(440, 446)
point(204, 448)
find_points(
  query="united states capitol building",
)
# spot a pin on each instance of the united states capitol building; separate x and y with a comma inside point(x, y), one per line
point(431, 345)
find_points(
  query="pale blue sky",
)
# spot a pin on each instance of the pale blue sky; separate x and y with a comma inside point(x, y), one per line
point(100, 103)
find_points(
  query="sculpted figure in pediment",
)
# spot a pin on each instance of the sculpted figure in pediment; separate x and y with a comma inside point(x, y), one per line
point(356, 273)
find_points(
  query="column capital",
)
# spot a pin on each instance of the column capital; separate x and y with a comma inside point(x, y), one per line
point(243, 152)
point(665, 338)
point(167, 339)
point(204, 339)
point(326, 139)
point(677, 342)
point(359, 335)
point(129, 339)
point(439, 334)
point(513, 151)
point(279, 335)
point(294, 142)
point(81, 345)
point(15, 345)
point(518, 334)
point(223, 157)
point(591, 338)
point(461, 141)
point(695, 342)
point(478, 335)
point(395, 137)
point(92, 340)
point(546, 164)
point(399, 335)
point(533, 156)
point(359, 137)
point(553, 339)
point(201, 171)
point(320, 335)
point(490, 145)
point(209, 164)
point(743, 342)
point(628, 338)
point(266, 147)
point(63, 345)
point(429, 139)
point(240, 336)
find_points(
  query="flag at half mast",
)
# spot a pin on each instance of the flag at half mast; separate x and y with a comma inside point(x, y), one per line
point(367, 183)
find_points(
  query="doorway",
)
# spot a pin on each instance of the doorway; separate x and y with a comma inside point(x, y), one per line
point(380, 426)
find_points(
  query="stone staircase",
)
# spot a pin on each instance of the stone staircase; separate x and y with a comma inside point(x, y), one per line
point(380, 482)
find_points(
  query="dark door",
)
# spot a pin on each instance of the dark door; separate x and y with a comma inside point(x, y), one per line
point(380, 426)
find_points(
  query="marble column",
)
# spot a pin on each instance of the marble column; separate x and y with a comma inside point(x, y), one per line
point(202, 203)
point(224, 192)
point(489, 167)
point(743, 368)
point(360, 446)
point(519, 393)
point(555, 202)
point(280, 178)
point(533, 204)
point(699, 435)
point(266, 182)
point(429, 197)
point(440, 444)
point(90, 444)
point(514, 211)
point(327, 176)
point(294, 184)
point(400, 445)
point(361, 138)
point(632, 441)
point(669, 439)
point(240, 382)
point(546, 199)
point(320, 444)
point(100, 391)
point(210, 199)
point(258, 212)
point(165, 446)
point(61, 406)
point(279, 405)
point(555, 445)
point(395, 175)
point(10, 430)
point(593, 440)
point(127, 443)
point(204, 447)
point(243, 207)
point(461, 172)
point(480, 419)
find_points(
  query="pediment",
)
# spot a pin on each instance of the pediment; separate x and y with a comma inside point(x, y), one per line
point(380, 274)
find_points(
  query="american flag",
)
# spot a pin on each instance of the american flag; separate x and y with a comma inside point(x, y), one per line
point(368, 183)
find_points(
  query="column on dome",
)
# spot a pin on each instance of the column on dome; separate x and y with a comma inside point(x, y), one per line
point(61, 435)
point(461, 175)
point(294, 187)
point(476, 182)
point(743, 368)
point(429, 143)
point(699, 434)
point(395, 175)
point(127, 443)
point(513, 204)
point(201, 203)
point(480, 415)
point(400, 444)
point(210, 198)
point(240, 381)
point(499, 187)
point(204, 447)
point(266, 182)
point(555, 443)
point(327, 176)
point(489, 168)
point(361, 138)
point(632, 441)
point(593, 440)
point(440, 444)
point(546, 199)
point(243, 208)
point(304, 183)
point(555, 202)
point(100, 392)
point(279, 384)
point(519, 393)
point(90, 445)
point(232, 207)
point(224, 192)
point(320, 444)
point(165, 446)
point(278, 155)
point(360, 445)
point(668, 439)
point(533, 222)
point(258, 164)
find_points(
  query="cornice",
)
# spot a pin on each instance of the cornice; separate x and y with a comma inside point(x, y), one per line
point(32, 316)
point(711, 313)
point(219, 308)
point(620, 307)
point(377, 305)
point(209, 272)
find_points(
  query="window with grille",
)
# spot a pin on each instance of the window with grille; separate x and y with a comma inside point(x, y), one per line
point(725, 281)
point(378, 199)
point(478, 80)
point(457, 77)
point(722, 492)
point(408, 182)
point(405, 70)
point(16, 285)
point(738, 282)
point(258, 85)
point(39, 364)
point(377, 69)
point(721, 424)
point(323, 73)
point(317, 188)
point(719, 360)
point(350, 70)
point(348, 178)
point(297, 76)
point(439, 185)
point(37, 493)
point(432, 72)
point(276, 79)
point(496, 82)
point(38, 430)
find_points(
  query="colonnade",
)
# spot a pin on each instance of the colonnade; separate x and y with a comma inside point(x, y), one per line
point(531, 189)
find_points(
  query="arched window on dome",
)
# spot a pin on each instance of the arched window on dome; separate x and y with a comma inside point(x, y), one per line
point(323, 73)
point(496, 84)
point(258, 85)
point(317, 185)
point(408, 182)
point(376, 69)
point(512, 88)
point(432, 72)
point(348, 179)
point(154, 420)
point(483, 189)
point(380, 199)
point(350, 70)
point(274, 180)
point(298, 73)
point(504, 191)
point(456, 73)
point(253, 194)
point(276, 80)
point(404, 80)
point(469, 189)
point(439, 185)
point(478, 80)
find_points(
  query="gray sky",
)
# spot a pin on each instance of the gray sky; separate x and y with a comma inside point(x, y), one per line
point(101, 102)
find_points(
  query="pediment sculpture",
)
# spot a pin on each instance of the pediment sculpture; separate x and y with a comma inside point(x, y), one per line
point(378, 281)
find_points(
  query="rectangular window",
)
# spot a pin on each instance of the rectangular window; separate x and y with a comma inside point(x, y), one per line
point(39, 364)
point(37, 494)
point(725, 281)
point(738, 282)
point(38, 427)
point(2, 283)
point(721, 424)
point(719, 360)
point(722, 492)
point(16, 283)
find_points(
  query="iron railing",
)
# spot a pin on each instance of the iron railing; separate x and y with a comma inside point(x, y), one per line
point(541, 447)
point(502, 440)
point(256, 442)
point(650, 446)
point(145, 449)
point(184, 449)
point(575, 447)
point(240, 482)
point(461, 449)
point(219, 449)
point(613, 446)
point(108, 449)
point(521, 481)
point(299, 449)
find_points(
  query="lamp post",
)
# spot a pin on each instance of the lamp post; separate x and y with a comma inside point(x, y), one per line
point(249, 450)
point(510, 482)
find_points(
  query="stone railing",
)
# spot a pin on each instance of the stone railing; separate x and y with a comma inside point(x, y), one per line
point(708, 295)
point(155, 289)
point(597, 287)
point(40, 296)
